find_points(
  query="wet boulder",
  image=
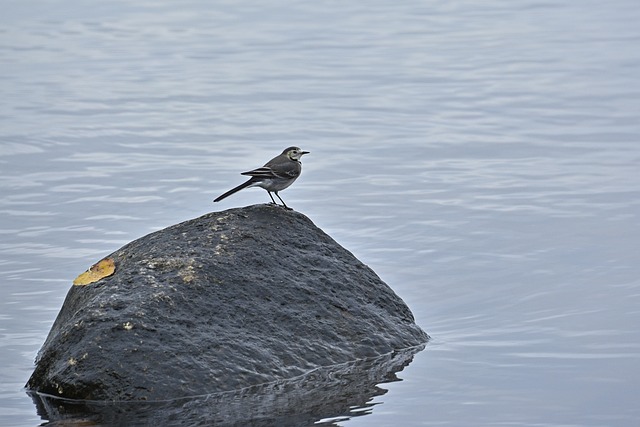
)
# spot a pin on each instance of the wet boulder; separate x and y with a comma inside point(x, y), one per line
point(229, 300)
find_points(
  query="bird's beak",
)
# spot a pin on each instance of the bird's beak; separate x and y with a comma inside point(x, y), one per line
point(304, 152)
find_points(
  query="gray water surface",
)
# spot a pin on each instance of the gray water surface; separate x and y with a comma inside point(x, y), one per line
point(481, 157)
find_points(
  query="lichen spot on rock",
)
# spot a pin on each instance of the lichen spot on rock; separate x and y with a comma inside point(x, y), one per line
point(103, 268)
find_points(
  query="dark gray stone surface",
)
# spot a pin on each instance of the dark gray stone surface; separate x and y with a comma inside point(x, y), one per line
point(229, 300)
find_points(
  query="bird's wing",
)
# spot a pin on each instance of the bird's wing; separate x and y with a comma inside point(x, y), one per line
point(289, 169)
point(263, 172)
point(286, 169)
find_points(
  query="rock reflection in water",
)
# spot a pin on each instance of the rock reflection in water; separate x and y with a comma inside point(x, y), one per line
point(328, 393)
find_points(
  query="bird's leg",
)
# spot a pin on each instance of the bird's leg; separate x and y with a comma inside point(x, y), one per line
point(283, 203)
point(272, 199)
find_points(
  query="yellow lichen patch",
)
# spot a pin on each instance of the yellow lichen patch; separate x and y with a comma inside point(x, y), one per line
point(188, 272)
point(72, 361)
point(127, 326)
point(103, 268)
point(221, 247)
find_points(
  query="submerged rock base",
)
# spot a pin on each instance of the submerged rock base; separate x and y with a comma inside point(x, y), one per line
point(330, 392)
point(229, 300)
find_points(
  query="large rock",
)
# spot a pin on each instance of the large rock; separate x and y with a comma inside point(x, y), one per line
point(228, 300)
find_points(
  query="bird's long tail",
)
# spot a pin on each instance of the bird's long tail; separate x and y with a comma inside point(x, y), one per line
point(235, 190)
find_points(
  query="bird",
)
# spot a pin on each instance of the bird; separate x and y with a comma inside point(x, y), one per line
point(276, 175)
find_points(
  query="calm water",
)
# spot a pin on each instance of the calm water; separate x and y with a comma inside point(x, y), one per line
point(481, 157)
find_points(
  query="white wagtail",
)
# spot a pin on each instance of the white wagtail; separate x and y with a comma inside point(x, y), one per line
point(276, 175)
